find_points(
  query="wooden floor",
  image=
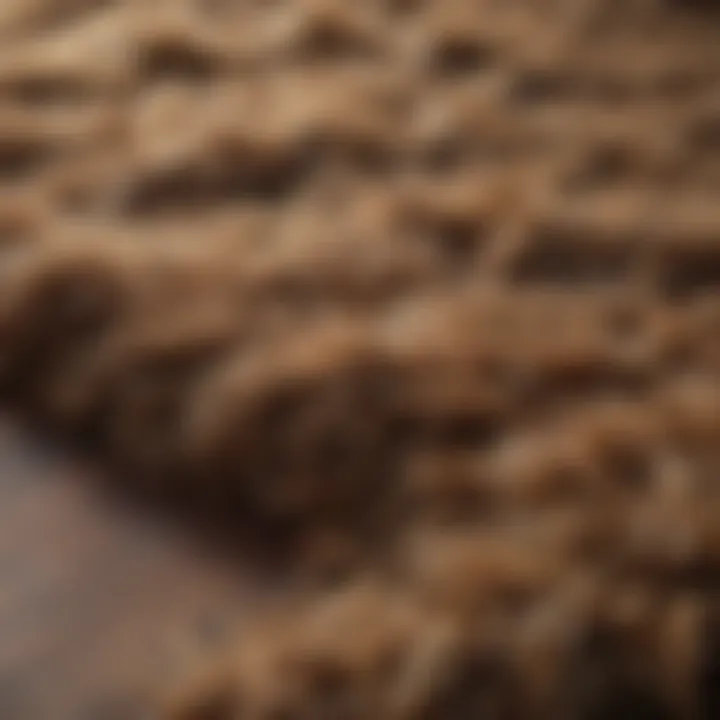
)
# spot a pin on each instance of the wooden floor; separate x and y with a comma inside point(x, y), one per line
point(98, 604)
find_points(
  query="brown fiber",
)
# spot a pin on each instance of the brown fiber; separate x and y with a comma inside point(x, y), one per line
point(428, 288)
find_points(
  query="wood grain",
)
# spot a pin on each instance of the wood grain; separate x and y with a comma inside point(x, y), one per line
point(98, 604)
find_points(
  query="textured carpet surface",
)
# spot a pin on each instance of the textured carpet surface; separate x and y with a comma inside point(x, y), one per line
point(426, 292)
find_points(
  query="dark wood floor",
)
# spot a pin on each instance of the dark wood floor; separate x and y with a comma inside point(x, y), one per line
point(98, 604)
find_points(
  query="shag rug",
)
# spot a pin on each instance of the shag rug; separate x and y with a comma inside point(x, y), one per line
point(426, 292)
